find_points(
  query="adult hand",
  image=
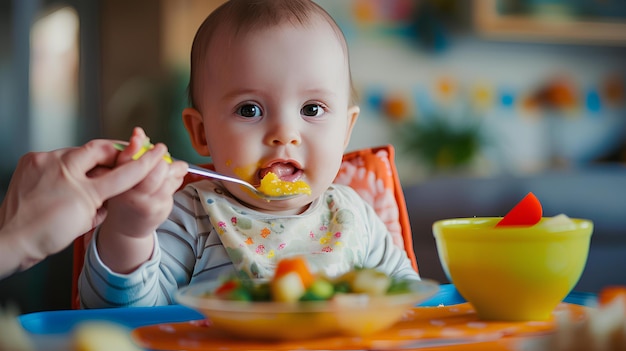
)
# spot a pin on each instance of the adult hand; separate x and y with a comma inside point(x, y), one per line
point(56, 196)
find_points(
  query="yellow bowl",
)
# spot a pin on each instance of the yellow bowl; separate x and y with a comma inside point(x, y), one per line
point(514, 273)
point(350, 314)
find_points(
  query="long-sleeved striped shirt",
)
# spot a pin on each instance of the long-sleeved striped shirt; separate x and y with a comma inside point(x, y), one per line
point(209, 234)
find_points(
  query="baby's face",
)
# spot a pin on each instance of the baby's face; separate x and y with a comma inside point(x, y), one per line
point(278, 100)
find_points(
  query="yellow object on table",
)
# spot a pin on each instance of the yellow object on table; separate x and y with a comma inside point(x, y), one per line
point(513, 273)
point(102, 336)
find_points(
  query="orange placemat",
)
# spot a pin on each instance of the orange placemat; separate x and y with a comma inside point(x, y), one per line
point(456, 326)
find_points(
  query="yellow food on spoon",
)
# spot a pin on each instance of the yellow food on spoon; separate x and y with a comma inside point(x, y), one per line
point(146, 146)
point(274, 186)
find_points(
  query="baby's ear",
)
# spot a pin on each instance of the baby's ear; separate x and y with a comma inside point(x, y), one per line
point(195, 127)
point(353, 115)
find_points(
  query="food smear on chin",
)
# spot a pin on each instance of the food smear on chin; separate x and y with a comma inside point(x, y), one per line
point(272, 185)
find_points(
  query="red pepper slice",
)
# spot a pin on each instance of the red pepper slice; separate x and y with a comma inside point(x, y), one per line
point(527, 212)
point(226, 288)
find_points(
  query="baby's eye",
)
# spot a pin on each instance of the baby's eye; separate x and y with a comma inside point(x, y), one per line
point(312, 110)
point(249, 111)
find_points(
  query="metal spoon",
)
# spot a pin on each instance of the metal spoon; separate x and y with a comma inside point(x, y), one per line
point(211, 174)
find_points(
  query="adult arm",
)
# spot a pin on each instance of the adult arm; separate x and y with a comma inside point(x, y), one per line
point(56, 196)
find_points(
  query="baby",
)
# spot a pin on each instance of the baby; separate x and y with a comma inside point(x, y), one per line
point(270, 91)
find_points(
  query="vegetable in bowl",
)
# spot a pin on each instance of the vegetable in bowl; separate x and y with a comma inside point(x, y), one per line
point(296, 305)
point(293, 281)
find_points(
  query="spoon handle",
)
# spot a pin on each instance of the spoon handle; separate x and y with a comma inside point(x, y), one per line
point(208, 173)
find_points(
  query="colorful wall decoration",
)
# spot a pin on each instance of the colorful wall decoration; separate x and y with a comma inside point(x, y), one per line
point(529, 106)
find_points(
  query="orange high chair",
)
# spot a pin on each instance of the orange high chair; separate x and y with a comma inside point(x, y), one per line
point(371, 172)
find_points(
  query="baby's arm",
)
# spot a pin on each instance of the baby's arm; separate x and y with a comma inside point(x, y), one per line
point(383, 254)
point(155, 281)
point(126, 236)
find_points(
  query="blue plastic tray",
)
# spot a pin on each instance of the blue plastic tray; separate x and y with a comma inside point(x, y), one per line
point(448, 295)
point(62, 322)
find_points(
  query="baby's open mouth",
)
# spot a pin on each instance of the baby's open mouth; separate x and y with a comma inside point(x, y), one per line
point(285, 171)
point(283, 178)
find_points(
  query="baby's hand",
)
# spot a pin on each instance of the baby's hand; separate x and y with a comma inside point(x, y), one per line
point(136, 213)
point(140, 210)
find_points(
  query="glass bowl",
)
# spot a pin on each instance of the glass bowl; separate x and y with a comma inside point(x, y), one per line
point(344, 314)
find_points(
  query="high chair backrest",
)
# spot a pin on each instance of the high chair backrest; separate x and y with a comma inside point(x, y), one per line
point(371, 172)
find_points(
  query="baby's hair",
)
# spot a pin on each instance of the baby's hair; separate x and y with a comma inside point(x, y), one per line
point(244, 16)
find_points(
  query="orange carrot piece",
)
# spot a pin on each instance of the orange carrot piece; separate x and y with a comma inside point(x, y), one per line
point(298, 265)
point(610, 293)
point(527, 212)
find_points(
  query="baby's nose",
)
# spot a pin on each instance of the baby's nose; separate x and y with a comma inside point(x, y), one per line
point(283, 133)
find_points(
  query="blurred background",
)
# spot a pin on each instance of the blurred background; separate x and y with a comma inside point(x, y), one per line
point(484, 101)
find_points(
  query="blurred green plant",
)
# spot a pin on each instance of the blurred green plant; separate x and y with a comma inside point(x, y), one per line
point(441, 144)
